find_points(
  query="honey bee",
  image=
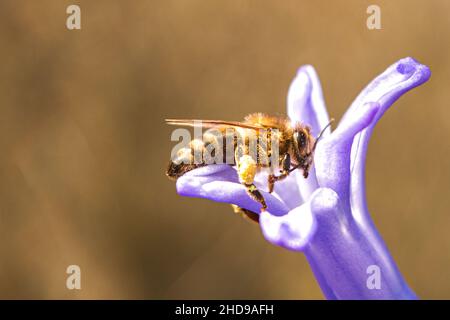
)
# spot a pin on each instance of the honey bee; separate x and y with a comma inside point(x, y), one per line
point(294, 141)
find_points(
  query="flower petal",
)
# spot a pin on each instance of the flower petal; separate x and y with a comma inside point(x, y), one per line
point(286, 190)
point(306, 105)
point(385, 89)
point(220, 183)
point(305, 100)
point(332, 157)
point(292, 231)
point(344, 259)
point(398, 79)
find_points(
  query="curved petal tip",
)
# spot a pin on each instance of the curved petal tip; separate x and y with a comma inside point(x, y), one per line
point(418, 73)
point(410, 65)
point(305, 102)
point(292, 231)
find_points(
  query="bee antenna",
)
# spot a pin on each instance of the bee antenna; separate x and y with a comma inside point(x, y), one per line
point(321, 133)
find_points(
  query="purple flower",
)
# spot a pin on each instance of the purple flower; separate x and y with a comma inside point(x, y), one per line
point(325, 216)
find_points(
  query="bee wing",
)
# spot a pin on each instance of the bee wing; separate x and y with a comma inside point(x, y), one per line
point(213, 123)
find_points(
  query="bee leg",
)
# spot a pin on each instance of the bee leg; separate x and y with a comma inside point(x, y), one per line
point(305, 174)
point(254, 193)
point(285, 164)
point(247, 214)
point(306, 170)
point(247, 167)
point(273, 178)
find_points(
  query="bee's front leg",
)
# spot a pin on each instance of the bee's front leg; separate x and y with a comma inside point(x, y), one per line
point(247, 168)
point(306, 172)
point(286, 165)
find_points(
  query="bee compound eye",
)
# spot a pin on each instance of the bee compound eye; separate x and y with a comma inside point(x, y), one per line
point(301, 140)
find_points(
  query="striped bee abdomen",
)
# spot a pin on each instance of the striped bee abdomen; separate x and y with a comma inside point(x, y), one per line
point(222, 145)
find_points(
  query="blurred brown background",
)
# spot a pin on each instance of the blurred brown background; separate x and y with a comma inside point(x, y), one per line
point(84, 147)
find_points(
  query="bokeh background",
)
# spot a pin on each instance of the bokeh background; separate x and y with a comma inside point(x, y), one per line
point(84, 146)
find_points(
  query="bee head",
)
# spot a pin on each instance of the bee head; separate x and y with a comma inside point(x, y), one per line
point(304, 145)
point(303, 141)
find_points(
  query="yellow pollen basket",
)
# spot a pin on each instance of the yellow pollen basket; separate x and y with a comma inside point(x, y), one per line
point(247, 169)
